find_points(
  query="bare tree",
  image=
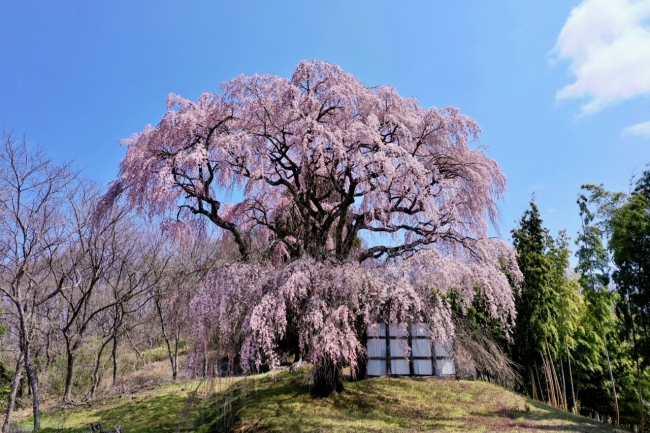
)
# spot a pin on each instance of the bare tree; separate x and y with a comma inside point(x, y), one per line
point(32, 233)
point(128, 285)
point(96, 247)
point(187, 266)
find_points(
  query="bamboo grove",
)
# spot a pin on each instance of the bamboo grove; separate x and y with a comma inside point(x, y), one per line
point(581, 340)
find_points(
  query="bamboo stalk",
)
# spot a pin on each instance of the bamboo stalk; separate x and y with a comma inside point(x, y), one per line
point(611, 377)
point(566, 404)
point(573, 396)
point(539, 383)
point(552, 377)
point(550, 391)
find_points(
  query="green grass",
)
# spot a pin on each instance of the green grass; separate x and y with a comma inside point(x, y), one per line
point(163, 410)
point(284, 404)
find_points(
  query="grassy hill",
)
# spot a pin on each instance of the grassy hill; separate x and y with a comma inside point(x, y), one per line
point(283, 404)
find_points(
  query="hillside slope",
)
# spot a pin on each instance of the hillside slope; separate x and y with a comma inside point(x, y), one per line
point(283, 404)
point(402, 405)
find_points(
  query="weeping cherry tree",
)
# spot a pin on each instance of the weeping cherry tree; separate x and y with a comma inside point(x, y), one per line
point(356, 205)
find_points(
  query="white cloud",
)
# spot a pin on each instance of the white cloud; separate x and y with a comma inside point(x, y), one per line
point(642, 129)
point(608, 45)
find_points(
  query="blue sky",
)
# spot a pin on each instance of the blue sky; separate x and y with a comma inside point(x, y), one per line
point(560, 88)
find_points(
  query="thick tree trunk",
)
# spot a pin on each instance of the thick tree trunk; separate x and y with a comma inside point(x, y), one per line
point(328, 378)
point(11, 403)
point(361, 371)
point(69, 372)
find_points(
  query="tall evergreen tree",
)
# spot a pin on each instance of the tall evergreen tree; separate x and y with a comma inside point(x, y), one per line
point(548, 307)
point(532, 301)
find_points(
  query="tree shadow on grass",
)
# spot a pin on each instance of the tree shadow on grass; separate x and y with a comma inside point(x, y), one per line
point(267, 397)
point(365, 406)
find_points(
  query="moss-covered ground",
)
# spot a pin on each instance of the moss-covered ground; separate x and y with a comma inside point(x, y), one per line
point(283, 404)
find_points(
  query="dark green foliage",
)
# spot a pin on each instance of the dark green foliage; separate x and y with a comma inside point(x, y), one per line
point(530, 241)
point(549, 312)
point(630, 245)
point(596, 339)
point(477, 313)
point(535, 302)
point(624, 222)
